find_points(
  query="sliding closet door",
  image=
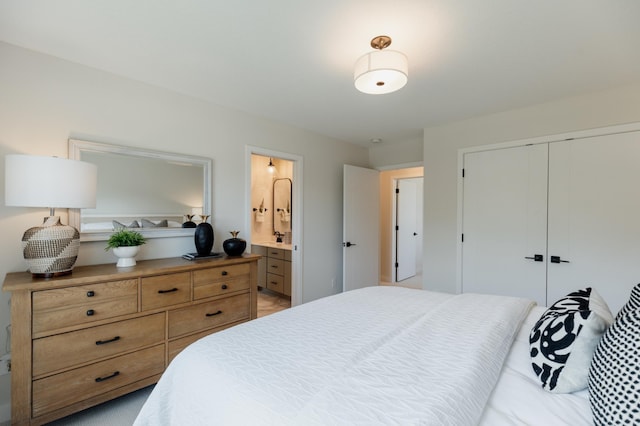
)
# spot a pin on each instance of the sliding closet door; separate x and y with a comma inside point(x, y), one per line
point(594, 216)
point(505, 222)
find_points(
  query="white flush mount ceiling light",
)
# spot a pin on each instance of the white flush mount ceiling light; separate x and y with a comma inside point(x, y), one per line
point(381, 71)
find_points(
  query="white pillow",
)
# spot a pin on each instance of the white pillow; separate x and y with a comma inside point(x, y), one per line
point(146, 223)
point(562, 342)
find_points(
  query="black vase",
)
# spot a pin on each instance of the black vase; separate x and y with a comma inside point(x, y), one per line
point(203, 238)
point(189, 223)
point(234, 246)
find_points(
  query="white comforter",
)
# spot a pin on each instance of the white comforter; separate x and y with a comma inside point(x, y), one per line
point(380, 355)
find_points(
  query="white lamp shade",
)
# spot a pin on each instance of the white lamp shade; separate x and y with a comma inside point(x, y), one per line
point(381, 71)
point(35, 181)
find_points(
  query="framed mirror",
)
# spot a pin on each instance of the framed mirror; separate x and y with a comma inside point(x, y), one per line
point(282, 205)
point(149, 191)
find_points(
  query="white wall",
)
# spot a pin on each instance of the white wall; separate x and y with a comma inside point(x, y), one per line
point(45, 101)
point(403, 154)
point(441, 146)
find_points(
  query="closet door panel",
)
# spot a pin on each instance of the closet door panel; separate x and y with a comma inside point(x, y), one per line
point(594, 216)
point(504, 222)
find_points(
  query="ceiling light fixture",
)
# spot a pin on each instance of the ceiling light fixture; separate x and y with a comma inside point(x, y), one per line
point(381, 71)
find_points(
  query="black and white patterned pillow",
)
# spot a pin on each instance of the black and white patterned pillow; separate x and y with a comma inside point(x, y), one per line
point(614, 375)
point(633, 303)
point(563, 340)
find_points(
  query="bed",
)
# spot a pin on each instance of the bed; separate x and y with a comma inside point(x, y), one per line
point(379, 355)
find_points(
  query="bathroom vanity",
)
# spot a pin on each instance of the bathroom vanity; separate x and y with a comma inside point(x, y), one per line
point(274, 267)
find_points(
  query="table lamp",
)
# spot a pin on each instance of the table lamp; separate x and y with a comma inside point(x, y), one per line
point(34, 181)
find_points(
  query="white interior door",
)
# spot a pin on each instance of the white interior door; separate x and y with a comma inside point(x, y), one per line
point(361, 228)
point(406, 228)
point(504, 222)
point(594, 216)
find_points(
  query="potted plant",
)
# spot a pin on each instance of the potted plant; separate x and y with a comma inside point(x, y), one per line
point(125, 244)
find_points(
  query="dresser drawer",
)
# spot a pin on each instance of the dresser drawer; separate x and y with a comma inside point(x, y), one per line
point(275, 266)
point(177, 345)
point(58, 308)
point(217, 281)
point(275, 283)
point(166, 290)
point(87, 382)
point(275, 253)
point(78, 347)
point(208, 315)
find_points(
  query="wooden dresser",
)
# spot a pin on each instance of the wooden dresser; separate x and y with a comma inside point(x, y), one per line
point(102, 332)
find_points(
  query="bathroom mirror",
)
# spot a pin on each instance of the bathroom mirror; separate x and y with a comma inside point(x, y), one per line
point(148, 191)
point(281, 205)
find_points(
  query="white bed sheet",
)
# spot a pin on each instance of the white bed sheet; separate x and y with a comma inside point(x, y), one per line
point(380, 355)
point(518, 398)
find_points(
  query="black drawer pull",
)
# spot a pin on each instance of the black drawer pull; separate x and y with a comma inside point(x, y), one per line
point(225, 273)
point(90, 312)
point(274, 266)
point(103, 342)
point(214, 314)
point(274, 283)
point(167, 291)
point(224, 286)
point(102, 379)
point(90, 293)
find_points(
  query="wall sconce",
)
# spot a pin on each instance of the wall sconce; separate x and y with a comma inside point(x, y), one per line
point(32, 181)
point(381, 71)
point(271, 168)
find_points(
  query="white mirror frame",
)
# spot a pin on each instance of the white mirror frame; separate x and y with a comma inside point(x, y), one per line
point(77, 147)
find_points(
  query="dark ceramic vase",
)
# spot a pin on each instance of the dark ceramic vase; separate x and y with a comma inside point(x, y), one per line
point(203, 238)
point(189, 223)
point(234, 246)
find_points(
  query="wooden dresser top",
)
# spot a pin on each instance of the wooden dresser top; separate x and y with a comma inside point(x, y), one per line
point(98, 273)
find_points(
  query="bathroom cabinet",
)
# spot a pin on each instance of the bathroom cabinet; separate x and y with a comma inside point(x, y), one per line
point(274, 268)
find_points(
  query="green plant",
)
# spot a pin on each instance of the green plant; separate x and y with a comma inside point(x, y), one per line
point(125, 238)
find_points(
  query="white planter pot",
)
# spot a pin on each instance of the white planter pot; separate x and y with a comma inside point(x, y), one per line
point(126, 256)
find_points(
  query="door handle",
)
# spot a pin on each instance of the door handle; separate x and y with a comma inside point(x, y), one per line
point(557, 259)
point(535, 257)
point(348, 244)
point(415, 233)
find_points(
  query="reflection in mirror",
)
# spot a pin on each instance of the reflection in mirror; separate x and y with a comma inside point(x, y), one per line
point(150, 191)
point(282, 205)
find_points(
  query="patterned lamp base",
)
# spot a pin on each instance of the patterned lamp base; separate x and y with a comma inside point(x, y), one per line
point(51, 249)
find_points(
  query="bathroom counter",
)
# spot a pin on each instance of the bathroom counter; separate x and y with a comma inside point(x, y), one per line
point(273, 244)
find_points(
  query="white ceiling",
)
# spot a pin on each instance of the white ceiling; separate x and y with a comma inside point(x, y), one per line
point(292, 60)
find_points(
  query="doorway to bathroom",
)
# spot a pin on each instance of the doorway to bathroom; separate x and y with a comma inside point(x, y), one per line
point(273, 195)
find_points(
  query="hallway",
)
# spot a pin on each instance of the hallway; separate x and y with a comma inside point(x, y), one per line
point(412, 282)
